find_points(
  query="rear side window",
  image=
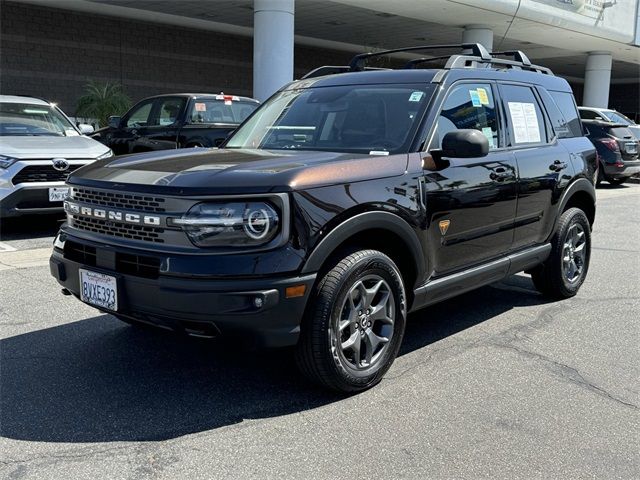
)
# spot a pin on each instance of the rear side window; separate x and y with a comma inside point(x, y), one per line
point(469, 105)
point(567, 105)
point(589, 115)
point(205, 110)
point(526, 121)
point(559, 124)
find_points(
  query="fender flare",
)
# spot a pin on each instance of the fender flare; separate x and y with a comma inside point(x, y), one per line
point(580, 185)
point(359, 223)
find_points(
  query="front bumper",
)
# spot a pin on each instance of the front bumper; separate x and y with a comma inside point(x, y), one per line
point(203, 306)
point(27, 199)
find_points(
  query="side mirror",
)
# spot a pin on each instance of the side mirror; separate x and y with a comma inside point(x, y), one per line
point(466, 143)
point(85, 129)
point(114, 121)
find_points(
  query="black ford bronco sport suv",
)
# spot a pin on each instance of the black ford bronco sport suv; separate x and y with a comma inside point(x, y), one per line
point(348, 199)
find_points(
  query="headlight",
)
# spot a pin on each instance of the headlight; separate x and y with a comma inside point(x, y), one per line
point(107, 154)
point(6, 161)
point(233, 224)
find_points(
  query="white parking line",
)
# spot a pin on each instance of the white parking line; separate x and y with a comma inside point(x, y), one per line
point(6, 248)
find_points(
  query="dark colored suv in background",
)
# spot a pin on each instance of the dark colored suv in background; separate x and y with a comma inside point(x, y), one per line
point(176, 121)
point(343, 203)
point(617, 149)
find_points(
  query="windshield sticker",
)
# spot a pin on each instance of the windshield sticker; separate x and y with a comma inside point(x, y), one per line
point(475, 98)
point(201, 107)
point(378, 152)
point(416, 96)
point(484, 98)
point(486, 131)
point(525, 122)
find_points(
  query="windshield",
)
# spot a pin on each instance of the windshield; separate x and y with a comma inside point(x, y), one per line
point(348, 118)
point(617, 117)
point(24, 119)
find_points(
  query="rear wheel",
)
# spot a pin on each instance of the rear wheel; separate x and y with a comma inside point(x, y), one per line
point(563, 273)
point(353, 330)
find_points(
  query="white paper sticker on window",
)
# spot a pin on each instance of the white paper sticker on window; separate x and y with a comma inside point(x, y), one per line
point(525, 122)
point(415, 96)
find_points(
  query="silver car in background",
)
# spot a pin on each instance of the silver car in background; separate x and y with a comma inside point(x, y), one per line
point(39, 148)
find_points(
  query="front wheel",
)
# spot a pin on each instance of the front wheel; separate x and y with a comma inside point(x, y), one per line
point(563, 273)
point(354, 327)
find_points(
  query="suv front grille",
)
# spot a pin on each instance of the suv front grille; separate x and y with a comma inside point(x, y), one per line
point(137, 265)
point(132, 232)
point(124, 201)
point(42, 173)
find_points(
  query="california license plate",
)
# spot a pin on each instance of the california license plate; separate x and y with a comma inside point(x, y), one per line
point(58, 194)
point(98, 289)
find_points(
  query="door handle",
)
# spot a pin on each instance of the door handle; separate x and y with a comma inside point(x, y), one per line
point(557, 165)
point(500, 173)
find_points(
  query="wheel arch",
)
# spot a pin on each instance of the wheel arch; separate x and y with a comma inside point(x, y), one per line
point(382, 231)
point(580, 194)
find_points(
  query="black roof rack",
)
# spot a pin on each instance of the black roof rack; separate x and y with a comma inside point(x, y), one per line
point(477, 50)
point(474, 56)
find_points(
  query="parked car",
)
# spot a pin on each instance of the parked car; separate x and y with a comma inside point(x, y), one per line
point(39, 147)
point(617, 150)
point(182, 120)
point(611, 116)
point(343, 203)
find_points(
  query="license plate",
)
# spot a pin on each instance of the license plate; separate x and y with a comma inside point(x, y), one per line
point(98, 289)
point(58, 194)
point(631, 148)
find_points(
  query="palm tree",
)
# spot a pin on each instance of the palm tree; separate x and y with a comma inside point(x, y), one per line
point(101, 100)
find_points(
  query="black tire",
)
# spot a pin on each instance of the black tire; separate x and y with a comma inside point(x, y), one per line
point(552, 278)
point(320, 353)
point(617, 181)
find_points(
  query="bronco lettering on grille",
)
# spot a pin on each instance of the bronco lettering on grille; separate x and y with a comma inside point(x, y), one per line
point(112, 215)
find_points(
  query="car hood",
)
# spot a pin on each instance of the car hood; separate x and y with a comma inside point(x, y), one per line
point(214, 171)
point(26, 147)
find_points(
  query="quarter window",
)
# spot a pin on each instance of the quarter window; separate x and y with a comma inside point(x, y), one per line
point(567, 105)
point(469, 106)
point(526, 122)
point(168, 111)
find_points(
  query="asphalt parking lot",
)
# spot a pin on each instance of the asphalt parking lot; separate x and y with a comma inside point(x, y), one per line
point(498, 383)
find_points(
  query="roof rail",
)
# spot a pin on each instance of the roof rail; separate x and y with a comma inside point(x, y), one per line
point(517, 55)
point(357, 62)
point(474, 56)
point(332, 70)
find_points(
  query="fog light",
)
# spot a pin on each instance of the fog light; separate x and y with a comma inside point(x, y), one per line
point(258, 302)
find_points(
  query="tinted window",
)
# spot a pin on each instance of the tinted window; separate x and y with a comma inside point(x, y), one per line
point(218, 111)
point(139, 116)
point(559, 124)
point(371, 119)
point(168, 111)
point(526, 121)
point(470, 105)
point(589, 115)
point(567, 106)
point(620, 132)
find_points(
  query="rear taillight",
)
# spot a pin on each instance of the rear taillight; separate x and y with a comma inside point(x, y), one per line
point(611, 144)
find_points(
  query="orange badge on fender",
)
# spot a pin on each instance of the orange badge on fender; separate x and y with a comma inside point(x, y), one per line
point(444, 226)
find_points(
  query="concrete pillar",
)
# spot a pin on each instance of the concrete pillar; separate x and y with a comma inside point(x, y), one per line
point(272, 46)
point(597, 79)
point(478, 34)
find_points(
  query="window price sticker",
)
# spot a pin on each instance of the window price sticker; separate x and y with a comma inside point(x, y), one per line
point(201, 107)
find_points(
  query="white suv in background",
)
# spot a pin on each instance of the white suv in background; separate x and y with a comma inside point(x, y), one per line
point(39, 147)
point(610, 116)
